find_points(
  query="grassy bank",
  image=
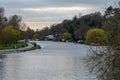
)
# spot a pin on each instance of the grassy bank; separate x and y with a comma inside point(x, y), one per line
point(35, 46)
point(18, 44)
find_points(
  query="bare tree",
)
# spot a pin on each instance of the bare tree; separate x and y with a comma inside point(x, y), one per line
point(104, 61)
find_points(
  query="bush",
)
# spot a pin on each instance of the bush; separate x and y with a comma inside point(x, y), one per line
point(67, 36)
point(9, 35)
point(96, 36)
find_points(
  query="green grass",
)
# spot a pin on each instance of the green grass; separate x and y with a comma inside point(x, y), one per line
point(18, 44)
point(35, 46)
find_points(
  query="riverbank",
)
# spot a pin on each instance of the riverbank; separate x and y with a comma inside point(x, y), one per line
point(13, 45)
point(29, 46)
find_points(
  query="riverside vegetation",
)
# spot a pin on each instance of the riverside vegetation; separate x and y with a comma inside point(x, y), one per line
point(11, 31)
point(104, 60)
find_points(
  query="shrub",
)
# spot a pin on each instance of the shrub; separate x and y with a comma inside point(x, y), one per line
point(96, 36)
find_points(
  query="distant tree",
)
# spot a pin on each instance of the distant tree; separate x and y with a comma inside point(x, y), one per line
point(109, 12)
point(81, 32)
point(15, 20)
point(36, 36)
point(71, 30)
point(44, 32)
point(95, 35)
point(5, 21)
point(77, 26)
point(93, 19)
point(75, 18)
point(28, 34)
point(67, 36)
point(1, 16)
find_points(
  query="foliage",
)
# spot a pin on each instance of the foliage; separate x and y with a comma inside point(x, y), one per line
point(15, 21)
point(112, 27)
point(28, 34)
point(9, 35)
point(35, 36)
point(18, 44)
point(105, 60)
point(81, 32)
point(67, 36)
point(43, 33)
point(77, 27)
point(96, 36)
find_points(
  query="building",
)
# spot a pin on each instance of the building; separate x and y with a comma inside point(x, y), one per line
point(50, 37)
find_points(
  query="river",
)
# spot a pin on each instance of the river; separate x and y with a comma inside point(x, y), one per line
point(55, 61)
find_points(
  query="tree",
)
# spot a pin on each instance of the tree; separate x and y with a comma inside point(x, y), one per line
point(15, 20)
point(112, 28)
point(96, 36)
point(28, 34)
point(43, 33)
point(9, 35)
point(35, 36)
point(104, 61)
point(67, 36)
point(109, 12)
point(81, 32)
point(1, 16)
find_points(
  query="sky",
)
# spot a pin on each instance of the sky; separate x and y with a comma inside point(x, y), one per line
point(42, 13)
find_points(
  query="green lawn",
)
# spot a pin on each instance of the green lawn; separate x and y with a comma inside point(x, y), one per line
point(19, 45)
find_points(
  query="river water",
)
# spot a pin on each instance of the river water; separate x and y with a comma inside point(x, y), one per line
point(55, 61)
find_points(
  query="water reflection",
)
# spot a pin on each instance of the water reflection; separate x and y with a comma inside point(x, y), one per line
point(42, 68)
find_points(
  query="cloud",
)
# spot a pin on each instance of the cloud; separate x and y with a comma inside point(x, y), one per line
point(58, 9)
point(47, 12)
point(51, 3)
point(39, 25)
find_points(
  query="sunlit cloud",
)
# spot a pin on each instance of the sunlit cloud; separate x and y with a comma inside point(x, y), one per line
point(39, 25)
point(56, 9)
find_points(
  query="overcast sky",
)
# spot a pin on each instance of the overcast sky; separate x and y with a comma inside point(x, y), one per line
point(42, 13)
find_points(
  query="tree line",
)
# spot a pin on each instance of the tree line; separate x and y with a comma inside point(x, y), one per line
point(12, 29)
point(77, 27)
